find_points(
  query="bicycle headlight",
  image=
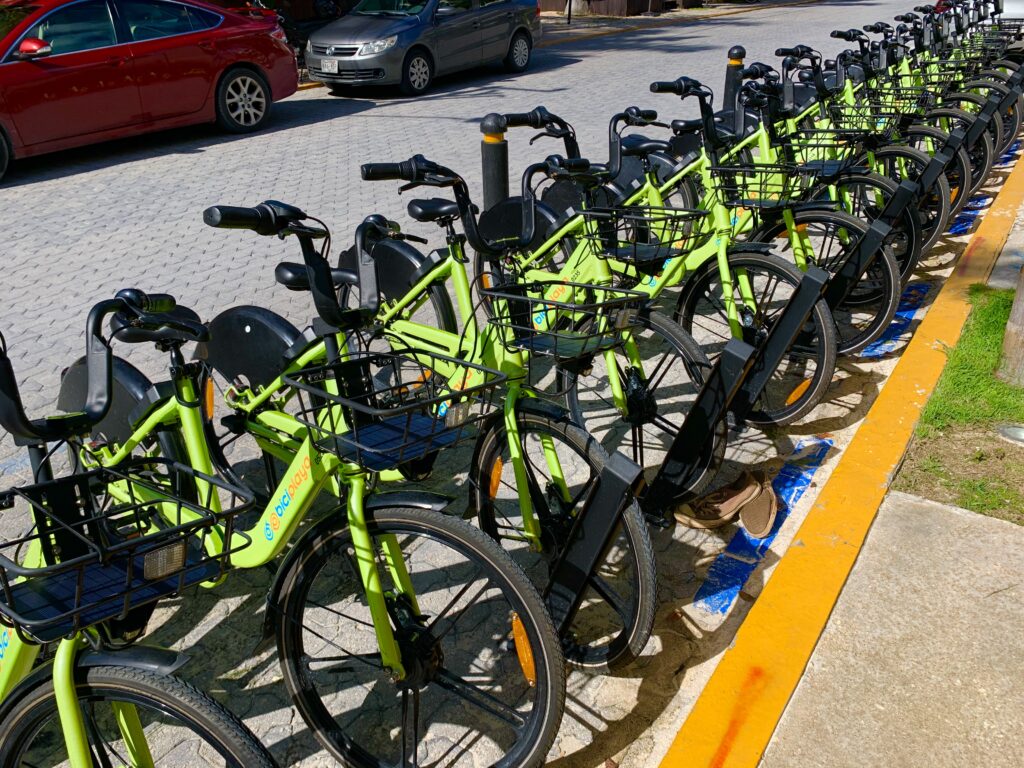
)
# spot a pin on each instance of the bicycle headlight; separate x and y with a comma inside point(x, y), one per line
point(378, 46)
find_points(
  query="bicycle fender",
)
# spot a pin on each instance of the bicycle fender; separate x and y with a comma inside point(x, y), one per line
point(337, 520)
point(162, 661)
point(248, 342)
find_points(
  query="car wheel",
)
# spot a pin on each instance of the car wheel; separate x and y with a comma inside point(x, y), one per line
point(417, 72)
point(338, 90)
point(5, 155)
point(243, 101)
point(518, 58)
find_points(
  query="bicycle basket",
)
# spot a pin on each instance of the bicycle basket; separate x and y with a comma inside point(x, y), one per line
point(564, 320)
point(762, 186)
point(643, 237)
point(111, 540)
point(874, 117)
point(380, 410)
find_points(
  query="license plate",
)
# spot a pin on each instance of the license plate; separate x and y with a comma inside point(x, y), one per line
point(330, 66)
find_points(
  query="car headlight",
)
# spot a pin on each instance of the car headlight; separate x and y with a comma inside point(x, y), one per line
point(309, 46)
point(378, 46)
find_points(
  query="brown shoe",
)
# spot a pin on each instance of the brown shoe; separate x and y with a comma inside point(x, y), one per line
point(718, 508)
point(758, 516)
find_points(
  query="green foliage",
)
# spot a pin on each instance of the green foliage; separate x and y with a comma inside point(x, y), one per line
point(969, 392)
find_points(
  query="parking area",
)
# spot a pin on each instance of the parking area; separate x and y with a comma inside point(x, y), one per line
point(80, 225)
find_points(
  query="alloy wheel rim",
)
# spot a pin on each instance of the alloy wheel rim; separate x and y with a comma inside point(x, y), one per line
point(419, 73)
point(521, 52)
point(246, 101)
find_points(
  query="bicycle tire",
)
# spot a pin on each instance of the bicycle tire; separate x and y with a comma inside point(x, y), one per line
point(906, 239)
point(798, 399)
point(488, 474)
point(933, 204)
point(530, 748)
point(879, 290)
point(25, 719)
point(981, 155)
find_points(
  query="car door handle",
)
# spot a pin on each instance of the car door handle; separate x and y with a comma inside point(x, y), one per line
point(206, 45)
point(116, 61)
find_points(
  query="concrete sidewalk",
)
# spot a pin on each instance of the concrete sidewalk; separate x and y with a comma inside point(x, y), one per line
point(921, 661)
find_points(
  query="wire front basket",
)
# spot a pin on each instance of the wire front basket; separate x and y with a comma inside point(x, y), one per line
point(763, 186)
point(874, 117)
point(108, 541)
point(643, 237)
point(381, 410)
point(567, 321)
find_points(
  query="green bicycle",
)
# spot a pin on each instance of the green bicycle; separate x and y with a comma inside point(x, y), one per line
point(393, 621)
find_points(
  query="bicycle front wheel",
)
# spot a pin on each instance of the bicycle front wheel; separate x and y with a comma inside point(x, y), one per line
point(801, 379)
point(562, 462)
point(181, 725)
point(484, 673)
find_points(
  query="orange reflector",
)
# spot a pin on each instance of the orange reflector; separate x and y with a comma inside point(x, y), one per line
point(495, 477)
point(523, 650)
point(494, 138)
point(798, 392)
point(485, 280)
point(208, 399)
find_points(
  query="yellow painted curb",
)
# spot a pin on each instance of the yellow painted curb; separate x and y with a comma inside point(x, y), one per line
point(737, 712)
point(310, 84)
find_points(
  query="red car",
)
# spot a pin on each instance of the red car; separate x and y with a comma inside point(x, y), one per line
point(75, 72)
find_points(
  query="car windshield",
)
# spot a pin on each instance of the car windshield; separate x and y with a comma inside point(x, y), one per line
point(12, 13)
point(389, 7)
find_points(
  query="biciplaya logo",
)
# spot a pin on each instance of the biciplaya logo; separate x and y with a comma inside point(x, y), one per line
point(274, 523)
point(5, 641)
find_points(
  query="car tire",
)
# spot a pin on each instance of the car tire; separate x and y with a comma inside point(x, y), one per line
point(243, 101)
point(417, 72)
point(5, 155)
point(339, 90)
point(519, 50)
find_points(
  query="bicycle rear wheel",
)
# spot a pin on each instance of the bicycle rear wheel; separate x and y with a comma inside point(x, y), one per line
point(182, 725)
point(615, 619)
point(800, 381)
point(484, 670)
point(934, 205)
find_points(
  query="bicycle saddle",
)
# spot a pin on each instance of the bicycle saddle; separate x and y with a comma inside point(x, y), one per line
point(180, 324)
point(680, 127)
point(433, 209)
point(294, 277)
point(635, 145)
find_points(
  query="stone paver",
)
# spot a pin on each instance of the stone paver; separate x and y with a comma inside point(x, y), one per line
point(919, 665)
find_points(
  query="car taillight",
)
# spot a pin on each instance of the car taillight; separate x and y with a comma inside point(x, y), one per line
point(278, 34)
point(538, 10)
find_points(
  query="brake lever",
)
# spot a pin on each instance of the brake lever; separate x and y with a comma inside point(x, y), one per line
point(406, 187)
point(410, 238)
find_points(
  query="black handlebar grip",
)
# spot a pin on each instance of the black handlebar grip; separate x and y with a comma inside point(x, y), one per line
point(648, 114)
point(522, 119)
point(838, 34)
point(575, 163)
point(787, 52)
point(667, 86)
point(232, 217)
point(381, 171)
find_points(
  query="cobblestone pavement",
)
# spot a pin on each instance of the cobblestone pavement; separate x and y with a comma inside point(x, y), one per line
point(83, 224)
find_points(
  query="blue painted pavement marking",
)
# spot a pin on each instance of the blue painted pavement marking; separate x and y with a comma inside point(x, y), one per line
point(910, 302)
point(14, 464)
point(970, 213)
point(731, 569)
point(1009, 155)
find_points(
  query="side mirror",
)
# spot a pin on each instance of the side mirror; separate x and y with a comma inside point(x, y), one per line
point(32, 48)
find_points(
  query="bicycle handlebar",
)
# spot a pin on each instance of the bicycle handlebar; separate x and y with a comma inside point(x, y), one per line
point(268, 218)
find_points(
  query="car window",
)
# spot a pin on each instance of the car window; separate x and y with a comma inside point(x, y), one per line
point(150, 19)
point(389, 7)
point(12, 14)
point(455, 6)
point(77, 27)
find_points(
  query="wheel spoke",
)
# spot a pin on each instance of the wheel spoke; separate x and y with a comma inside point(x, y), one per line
point(478, 698)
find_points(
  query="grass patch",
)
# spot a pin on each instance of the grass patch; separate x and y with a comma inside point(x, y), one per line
point(968, 392)
point(956, 457)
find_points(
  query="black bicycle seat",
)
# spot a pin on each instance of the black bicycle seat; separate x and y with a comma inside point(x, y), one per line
point(680, 127)
point(185, 326)
point(635, 145)
point(433, 209)
point(295, 278)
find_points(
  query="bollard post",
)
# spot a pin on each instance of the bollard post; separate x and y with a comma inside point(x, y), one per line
point(494, 158)
point(732, 77)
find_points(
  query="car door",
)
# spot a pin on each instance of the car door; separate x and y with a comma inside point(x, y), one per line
point(456, 35)
point(173, 53)
point(497, 20)
point(84, 86)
